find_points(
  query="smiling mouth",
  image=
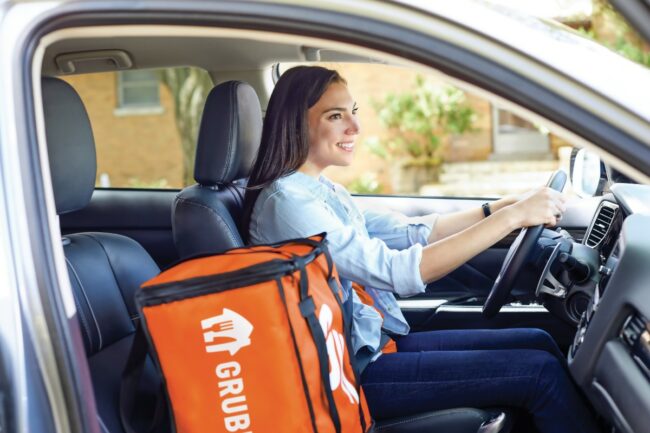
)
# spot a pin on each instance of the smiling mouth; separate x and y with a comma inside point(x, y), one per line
point(346, 146)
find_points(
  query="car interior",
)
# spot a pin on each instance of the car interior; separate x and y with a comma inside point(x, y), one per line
point(114, 239)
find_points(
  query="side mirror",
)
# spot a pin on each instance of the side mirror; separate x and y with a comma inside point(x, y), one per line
point(588, 173)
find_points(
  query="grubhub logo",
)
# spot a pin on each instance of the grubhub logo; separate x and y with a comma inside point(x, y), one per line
point(229, 325)
point(336, 351)
point(230, 332)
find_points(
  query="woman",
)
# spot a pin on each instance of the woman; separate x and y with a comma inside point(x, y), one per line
point(311, 124)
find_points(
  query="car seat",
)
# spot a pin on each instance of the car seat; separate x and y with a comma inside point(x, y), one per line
point(205, 215)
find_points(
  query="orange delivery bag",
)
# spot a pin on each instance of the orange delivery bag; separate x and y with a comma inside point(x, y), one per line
point(255, 339)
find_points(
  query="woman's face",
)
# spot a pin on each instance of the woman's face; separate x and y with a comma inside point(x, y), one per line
point(333, 127)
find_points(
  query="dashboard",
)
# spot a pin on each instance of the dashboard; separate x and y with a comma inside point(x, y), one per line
point(610, 355)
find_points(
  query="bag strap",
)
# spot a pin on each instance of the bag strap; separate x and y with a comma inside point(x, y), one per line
point(346, 308)
point(308, 311)
point(129, 386)
point(357, 364)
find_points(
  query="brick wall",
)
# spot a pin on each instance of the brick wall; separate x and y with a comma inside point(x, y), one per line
point(134, 150)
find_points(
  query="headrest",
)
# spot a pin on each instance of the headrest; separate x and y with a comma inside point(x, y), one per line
point(231, 129)
point(70, 145)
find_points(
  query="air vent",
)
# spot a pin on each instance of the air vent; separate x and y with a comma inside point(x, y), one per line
point(633, 328)
point(603, 221)
point(635, 334)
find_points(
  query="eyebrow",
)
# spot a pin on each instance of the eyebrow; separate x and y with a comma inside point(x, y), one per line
point(333, 109)
point(355, 106)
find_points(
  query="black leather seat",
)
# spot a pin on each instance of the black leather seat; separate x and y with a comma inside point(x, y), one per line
point(205, 219)
point(206, 215)
point(105, 269)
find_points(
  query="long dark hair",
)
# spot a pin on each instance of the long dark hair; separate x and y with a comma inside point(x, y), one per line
point(285, 135)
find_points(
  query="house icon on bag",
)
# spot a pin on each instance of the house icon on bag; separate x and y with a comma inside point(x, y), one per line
point(231, 328)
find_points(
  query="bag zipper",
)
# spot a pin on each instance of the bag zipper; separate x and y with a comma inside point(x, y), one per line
point(297, 241)
point(199, 286)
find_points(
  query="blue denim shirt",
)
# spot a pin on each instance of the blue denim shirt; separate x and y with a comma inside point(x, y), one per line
point(381, 251)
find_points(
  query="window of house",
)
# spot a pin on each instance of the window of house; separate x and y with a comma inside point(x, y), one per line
point(138, 90)
point(149, 140)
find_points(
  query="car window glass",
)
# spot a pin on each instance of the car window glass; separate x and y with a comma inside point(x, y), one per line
point(145, 124)
point(421, 135)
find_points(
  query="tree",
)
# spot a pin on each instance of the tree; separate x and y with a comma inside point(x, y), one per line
point(420, 124)
point(189, 88)
point(610, 28)
point(420, 120)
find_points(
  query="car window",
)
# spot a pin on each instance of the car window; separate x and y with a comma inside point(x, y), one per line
point(145, 124)
point(423, 136)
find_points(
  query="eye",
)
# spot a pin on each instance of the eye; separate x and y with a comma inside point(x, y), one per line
point(335, 116)
point(354, 110)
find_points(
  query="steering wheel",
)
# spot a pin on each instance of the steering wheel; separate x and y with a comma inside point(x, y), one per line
point(517, 256)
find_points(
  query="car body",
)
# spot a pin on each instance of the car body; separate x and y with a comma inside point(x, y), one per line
point(526, 64)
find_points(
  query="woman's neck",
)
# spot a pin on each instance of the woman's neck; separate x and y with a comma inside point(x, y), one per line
point(310, 170)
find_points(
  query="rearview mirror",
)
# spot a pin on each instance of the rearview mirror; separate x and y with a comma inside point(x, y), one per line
point(588, 174)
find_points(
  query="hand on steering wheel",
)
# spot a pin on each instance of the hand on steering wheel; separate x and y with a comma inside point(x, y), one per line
point(520, 251)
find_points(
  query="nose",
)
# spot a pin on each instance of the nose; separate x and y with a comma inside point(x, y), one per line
point(354, 126)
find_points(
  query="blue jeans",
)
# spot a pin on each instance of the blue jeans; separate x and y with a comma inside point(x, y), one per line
point(478, 368)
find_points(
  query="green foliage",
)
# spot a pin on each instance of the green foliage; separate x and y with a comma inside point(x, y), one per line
point(623, 39)
point(587, 32)
point(365, 184)
point(632, 51)
point(420, 120)
point(622, 45)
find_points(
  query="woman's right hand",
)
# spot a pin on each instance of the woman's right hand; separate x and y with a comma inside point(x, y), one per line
point(539, 206)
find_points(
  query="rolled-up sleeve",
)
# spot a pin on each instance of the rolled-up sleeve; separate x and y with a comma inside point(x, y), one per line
point(366, 260)
point(399, 231)
point(425, 225)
